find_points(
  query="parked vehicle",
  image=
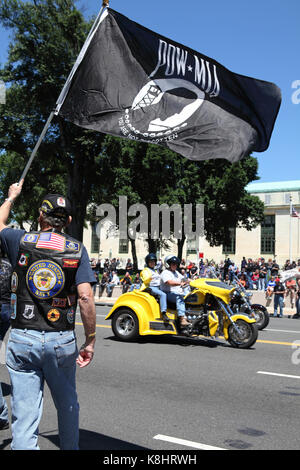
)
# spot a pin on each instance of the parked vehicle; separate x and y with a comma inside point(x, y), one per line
point(137, 313)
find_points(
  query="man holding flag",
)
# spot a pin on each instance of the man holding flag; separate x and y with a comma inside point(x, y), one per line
point(51, 271)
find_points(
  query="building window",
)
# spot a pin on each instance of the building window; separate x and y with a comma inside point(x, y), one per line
point(123, 246)
point(267, 199)
point(230, 247)
point(267, 241)
point(191, 247)
point(287, 198)
point(95, 243)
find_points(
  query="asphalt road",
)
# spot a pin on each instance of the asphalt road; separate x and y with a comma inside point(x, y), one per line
point(173, 394)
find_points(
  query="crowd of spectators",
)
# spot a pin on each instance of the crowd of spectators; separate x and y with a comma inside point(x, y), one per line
point(258, 274)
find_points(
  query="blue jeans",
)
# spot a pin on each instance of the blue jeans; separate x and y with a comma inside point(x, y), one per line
point(162, 298)
point(31, 358)
point(3, 407)
point(5, 313)
point(179, 300)
point(278, 301)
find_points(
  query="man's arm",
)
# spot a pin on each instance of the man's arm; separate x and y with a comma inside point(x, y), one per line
point(13, 193)
point(88, 316)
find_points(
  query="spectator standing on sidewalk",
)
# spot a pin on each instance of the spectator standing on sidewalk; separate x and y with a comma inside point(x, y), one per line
point(278, 291)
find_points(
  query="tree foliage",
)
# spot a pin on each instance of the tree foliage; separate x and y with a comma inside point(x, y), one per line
point(47, 37)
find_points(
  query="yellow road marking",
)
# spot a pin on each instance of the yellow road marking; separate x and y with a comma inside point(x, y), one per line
point(283, 343)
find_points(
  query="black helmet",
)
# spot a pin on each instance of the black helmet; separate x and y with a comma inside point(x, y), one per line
point(171, 259)
point(150, 257)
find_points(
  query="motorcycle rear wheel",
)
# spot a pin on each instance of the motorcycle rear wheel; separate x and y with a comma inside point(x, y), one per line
point(247, 336)
point(125, 324)
point(261, 316)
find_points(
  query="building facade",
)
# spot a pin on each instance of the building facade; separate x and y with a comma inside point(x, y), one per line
point(278, 237)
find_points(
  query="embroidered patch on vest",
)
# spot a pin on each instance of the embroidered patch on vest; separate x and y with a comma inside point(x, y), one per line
point(45, 279)
point(13, 304)
point(71, 315)
point(24, 259)
point(28, 312)
point(14, 282)
point(72, 246)
point(31, 237)
point(59, 302)
point(70, 263)
point(53, 315)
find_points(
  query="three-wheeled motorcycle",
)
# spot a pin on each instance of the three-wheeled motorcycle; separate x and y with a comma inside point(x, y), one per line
point(207, 308)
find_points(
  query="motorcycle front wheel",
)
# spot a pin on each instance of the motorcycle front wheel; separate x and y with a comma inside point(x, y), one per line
point(125, 324)
point(246, 335)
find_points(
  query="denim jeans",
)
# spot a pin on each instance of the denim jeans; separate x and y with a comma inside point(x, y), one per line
point(278, 301)
point(3, 407)
point(109, 288)
point(32, 358)
point(162, 298)
point(5, 313)
point(179, 300)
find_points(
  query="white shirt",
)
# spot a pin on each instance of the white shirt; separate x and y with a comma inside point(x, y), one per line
point(155, 279)
point(168, 275)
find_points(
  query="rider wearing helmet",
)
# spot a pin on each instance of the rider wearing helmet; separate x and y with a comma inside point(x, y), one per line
point(172, 283)
point(151, 278)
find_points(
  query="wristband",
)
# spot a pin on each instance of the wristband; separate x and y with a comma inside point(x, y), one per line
point(91, 335)
point(9, 199)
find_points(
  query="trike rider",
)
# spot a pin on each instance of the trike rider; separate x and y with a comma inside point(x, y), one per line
point(173, 283)
point(149, 272)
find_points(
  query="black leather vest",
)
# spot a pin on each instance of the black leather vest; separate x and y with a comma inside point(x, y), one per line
point(44, 294)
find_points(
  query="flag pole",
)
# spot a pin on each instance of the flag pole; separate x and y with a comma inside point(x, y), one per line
point(61, 98)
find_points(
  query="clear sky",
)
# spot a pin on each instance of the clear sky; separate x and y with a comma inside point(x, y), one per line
point(257, 38)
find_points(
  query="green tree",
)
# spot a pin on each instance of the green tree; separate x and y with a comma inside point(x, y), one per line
point(47, 37)
point(150, 174)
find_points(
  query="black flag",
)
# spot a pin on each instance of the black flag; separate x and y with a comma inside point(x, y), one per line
point(134, 83)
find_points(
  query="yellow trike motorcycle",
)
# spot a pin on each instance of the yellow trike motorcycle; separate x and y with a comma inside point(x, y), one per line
point(137, 313)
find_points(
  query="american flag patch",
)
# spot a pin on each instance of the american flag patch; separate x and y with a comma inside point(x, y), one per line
point(51, 241)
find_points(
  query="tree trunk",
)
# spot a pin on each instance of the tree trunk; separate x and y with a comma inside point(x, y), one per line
point(180, 243)
point(78, 193)
point(134, 256)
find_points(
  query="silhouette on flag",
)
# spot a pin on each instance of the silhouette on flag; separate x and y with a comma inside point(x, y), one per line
point(134, 83)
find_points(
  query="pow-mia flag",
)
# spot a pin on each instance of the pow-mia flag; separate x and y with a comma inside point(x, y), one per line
point(134, 83)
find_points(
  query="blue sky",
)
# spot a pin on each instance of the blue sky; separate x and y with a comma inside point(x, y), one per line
point(257, 38)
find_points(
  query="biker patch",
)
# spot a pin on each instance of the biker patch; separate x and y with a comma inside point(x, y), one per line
point(28, 312)
point(24, 259)
point(13, 304)
point(71, 315)
point(14, 282)
point(45, 279)
point(56, 302)
point(72, 246)
point(30, 238)
point(53, 315)
point(70, 263)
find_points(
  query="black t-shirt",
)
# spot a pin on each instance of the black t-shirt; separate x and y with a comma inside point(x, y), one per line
point(279, 287)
